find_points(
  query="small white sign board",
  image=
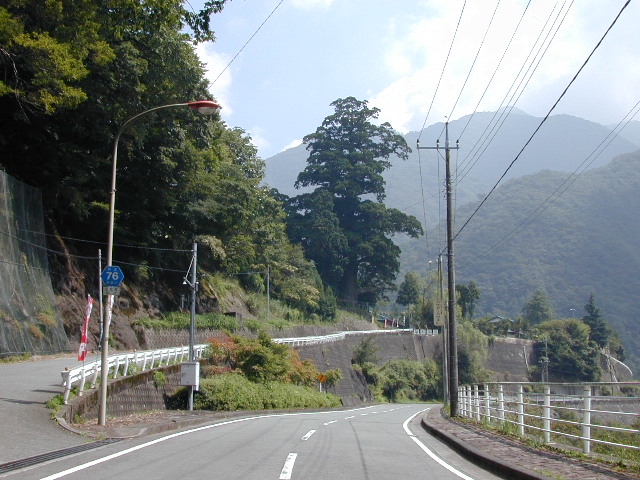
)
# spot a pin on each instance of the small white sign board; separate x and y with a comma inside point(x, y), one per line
point(190, 374)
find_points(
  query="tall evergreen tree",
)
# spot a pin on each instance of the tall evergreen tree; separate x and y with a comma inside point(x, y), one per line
point(411, 289)
point(537, 309)
point(341, 228)
point(600, 331)
point(468, 295)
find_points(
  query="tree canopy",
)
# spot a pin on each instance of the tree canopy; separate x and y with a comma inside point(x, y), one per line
point(537, 309)
point(72, 73)
point(344, 231)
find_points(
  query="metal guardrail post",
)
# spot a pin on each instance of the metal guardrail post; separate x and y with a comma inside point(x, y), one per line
point(520, 401)
point(546, 413)
point(487, 402)
point(501, 402)
point(476, 401)
point(586, 419)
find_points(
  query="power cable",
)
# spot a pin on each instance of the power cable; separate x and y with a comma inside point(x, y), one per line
point(443, 70)
point(247, 42)
point(496, 70)
point(545, 118)
point(503, 114)
point(493, 16)
point(566, 184)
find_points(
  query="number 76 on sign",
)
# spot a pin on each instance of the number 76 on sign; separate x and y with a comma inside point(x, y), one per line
point(112, 276)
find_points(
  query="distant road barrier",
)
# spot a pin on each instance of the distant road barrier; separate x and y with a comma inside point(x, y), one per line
point(120, 365)
point(334, 337)
point(586, 413)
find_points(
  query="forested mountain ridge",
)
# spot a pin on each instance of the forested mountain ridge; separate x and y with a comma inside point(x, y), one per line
point(562, 144)
point(582, 242)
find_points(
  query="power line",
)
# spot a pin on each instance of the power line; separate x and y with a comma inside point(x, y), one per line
point(95, 242)
point(502, 114)
point(496, 70)
point(475, 59)
point(566, 184)
point(545, 118)
point(247, 42)
point(443, 70)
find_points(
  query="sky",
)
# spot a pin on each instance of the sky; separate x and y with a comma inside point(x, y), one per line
point(277, 65)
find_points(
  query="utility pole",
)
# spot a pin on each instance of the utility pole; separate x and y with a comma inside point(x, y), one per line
point(451, 279)
point(192, 322)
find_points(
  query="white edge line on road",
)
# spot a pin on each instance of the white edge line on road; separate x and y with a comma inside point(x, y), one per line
point(98, 461)
point(288, 467)
point(431, 454)
point(308, 435)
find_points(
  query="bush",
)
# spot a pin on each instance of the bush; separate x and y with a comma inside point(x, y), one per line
point(235, 392)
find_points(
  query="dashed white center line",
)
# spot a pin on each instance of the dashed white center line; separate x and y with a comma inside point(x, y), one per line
point(350, 417)
point(308, 435)
point(288, 467)
point(329, 423)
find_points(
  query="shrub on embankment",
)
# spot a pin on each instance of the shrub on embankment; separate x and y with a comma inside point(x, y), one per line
point(233, 391)
point(256, 374)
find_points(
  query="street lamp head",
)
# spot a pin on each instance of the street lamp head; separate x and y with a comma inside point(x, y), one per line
point(205, 107)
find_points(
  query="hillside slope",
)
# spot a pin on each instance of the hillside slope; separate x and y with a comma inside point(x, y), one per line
point(583, 242)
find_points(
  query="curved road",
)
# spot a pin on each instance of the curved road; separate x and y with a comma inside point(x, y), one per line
point(371, 443)
point(26, 428)
point(378, 442)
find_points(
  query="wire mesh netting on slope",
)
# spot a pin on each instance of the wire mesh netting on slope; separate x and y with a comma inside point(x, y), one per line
point(29, 321)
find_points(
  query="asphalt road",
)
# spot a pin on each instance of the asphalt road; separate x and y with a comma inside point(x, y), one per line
point(26, 428)
point(373, 443)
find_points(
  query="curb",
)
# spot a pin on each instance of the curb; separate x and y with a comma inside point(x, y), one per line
point(479, 457)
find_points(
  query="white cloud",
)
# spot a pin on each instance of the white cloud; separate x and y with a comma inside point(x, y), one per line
point(215, 63)
point(258, 138)
point(293, 144)
point(311, 4)
point(418, 53)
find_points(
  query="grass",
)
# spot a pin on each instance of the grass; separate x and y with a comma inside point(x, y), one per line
point(232, 391)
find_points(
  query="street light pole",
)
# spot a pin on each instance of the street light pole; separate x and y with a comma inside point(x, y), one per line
point(206, 107)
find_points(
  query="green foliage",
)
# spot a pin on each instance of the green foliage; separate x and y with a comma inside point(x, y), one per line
point(365, 352)
point(182, 320)
point(572, 356)
point(334, 375)
point(537, 309)
point(599, 330)
point(159, 379)
point(411, 290)
point(262, 360)
point(468, 295)
point(345, 235)
point(472, 354)
point(71, 74)
point(235, 392)
point(402, 380)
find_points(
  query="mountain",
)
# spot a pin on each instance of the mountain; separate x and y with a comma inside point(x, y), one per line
point(583, 241)
point(562, 144)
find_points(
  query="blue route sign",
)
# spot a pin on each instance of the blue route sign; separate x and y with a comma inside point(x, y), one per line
point(112, 276)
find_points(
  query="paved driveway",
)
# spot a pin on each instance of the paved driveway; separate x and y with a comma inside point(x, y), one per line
point(26, 428)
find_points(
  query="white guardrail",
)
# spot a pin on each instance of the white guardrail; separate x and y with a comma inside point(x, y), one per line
point(120, 364)
point(589, 413)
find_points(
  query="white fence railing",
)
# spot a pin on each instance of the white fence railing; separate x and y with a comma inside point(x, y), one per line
point(120, 365)
point(334, 337)
point(589, 413)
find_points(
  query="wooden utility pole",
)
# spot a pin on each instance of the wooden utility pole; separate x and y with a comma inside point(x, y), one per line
point(451, 279)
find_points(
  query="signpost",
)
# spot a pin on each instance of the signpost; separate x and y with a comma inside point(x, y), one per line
point(112, 276)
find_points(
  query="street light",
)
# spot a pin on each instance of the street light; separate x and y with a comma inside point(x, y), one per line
point(205, 107)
